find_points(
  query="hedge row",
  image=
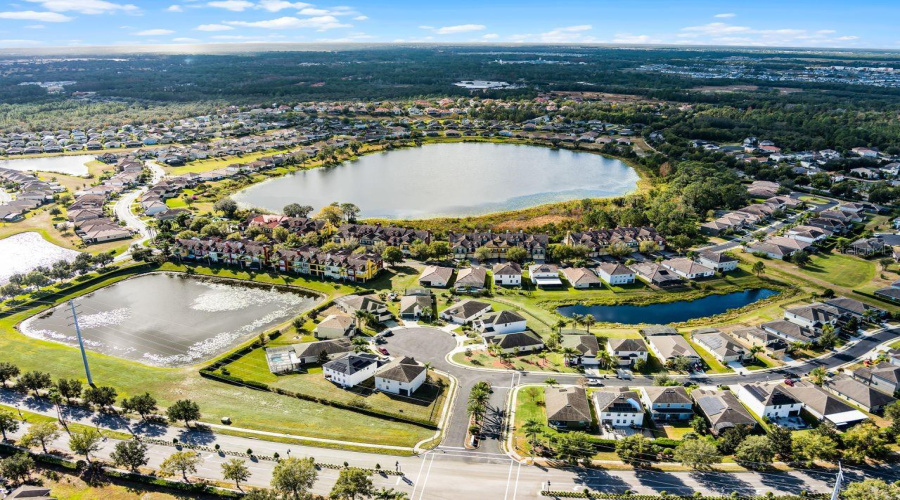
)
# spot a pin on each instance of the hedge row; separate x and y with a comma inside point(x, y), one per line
point(194, 488)
point(230, 356)
point(631, 496)
point(230, 379)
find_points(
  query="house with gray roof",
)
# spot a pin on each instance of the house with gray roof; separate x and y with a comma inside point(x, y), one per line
point(615, 273)
point(884, 376)
point(587, 347)
point(500, 322)
point(669, 347)
point(722, 410)
point(721, 346)
point(719, 261)
point(581, 278)
point(667, 403)
point(859, 393)
point(510, 343)
point(351, 369)
point(465, 312)
point(567, 408)
point(627, 351)
point(618, 408)
point(402, 376)
point(436, 276)
point(825, 407)
point(470, 280)
point(774, 346)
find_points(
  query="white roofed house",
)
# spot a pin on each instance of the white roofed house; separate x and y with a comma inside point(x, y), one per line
point(350, 304)
point(620, 408)
point(436, 276)
point(470, 280)
point(544, 275)
point(627, 351)
point(769, 401)
point(507, 274)
point(719, 261)
point(465, 312)
point(581, 278)
point(721, 346)
point(500, 322)
point(615, 274)
point(686, 268)
point(402, 376)
point(335, 326)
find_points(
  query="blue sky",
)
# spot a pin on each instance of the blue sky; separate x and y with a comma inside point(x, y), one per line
point(792, 23)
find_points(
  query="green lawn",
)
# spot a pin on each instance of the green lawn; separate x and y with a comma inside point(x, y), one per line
point(480, 358)
point(247, 408)
point(842, 270)
point(813, 199)
point(426, 403)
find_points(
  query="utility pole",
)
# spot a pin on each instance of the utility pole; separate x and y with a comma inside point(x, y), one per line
point(838, 483)
point(87, 369)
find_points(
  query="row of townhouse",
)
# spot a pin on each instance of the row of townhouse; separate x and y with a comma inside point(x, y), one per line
point(749, 216)
point(599, 241)
point(30, 193)
point(307, 260)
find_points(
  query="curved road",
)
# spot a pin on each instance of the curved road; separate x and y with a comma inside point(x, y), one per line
point(122, 209)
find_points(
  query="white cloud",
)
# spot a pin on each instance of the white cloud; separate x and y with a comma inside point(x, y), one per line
point(361, 18)
point(730, 34)
point(279, 5)
point(634, 39)
point(490, 36)
point(452, 30)
point(726, 15)
point(232, 5)
point(85, 6)
point(568, 34)
point(175, 8)
point(185, 40)
point(30, 15)
point(847, 37)
point(213, 27)
point(18, 43)
point(319, 23)
point(35, 27)
point(155, 32)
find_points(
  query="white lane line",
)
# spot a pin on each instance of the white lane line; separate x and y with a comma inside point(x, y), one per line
point(416, 484)
point(398, 479)
point(508, 478)
point(425, 482)
point(516, 490)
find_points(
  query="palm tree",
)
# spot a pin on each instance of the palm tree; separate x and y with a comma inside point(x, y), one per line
point(588, 320)
point(479, 396)
point(576, 319)
point(604, 358)
point(756, 350)
point(532, 428)
point(560, 324)
point(360, 316)
point(389, 494)
point(476, 410)
point(569, 353)
point(758, 268)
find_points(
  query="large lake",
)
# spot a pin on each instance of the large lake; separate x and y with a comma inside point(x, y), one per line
point(23, 252)
point(69, 165)
point(170, 319)
point(669, 312)
point(449, 180)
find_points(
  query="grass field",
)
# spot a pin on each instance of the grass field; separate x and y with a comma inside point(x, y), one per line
point(247, 408)
point(842, 270)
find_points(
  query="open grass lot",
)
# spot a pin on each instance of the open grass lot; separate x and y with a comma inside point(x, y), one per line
point(425, 404)
point(842, 270)
point(813, 199)
point(531, 362)
point(247, 408)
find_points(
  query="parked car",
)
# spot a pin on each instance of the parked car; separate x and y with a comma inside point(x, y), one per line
point(382, 350)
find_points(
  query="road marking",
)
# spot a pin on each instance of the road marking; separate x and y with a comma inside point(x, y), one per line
point(428, 473)
point(416, 484)
point(516, 489)
point(399, 478)
point(508, 478)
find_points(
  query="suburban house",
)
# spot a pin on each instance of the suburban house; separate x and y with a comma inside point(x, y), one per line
point(581, 278)
point(599, 241)
point(620, 408)
point(500, 322)
point(350, 304)
point(567, 408)
point(891, 293)
point(859, 393)
point(465, 312)
point(789, 331)
point(667, 403)
point(813, 316)
point(774, 346)
point(719, 261)
point(436, 276)
point(720, 345)
point(688, 269)
point(311, 352)
point(507, 274)
point(655, 274)
point(470, 280)
point(335, 326)
point(413, 307)
point(855, 308)
point(721, 409)
point(544, 275)
point(884, 376)
point(824, 407)
point(463, 245)
point(627, 351)
point(669, 347)
point(402, 376)
point(615, 274)
point(351, 369)
point(510, 343)
point(770, 401)
point(587, 346)
point(808, 234)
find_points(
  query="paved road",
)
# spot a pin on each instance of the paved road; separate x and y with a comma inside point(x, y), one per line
point(122, 209)
point(4, 197)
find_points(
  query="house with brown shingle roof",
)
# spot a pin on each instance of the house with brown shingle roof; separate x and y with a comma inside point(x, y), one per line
point(567, 408)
